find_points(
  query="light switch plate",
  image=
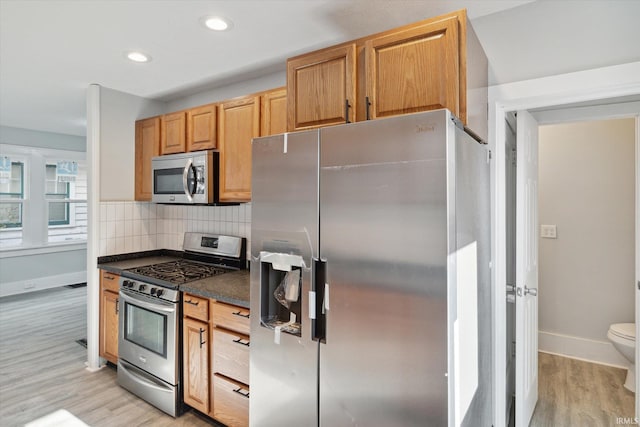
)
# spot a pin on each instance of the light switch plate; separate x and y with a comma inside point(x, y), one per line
point(548, 231)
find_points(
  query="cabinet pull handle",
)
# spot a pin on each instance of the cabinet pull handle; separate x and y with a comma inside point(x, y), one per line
point(239, 313)
point(238, 390)
point(201, 342)
point(368, 104)
point(346, 111)
point(117, 305)
point(188, 301)
point(239, 341)
point(108, 277)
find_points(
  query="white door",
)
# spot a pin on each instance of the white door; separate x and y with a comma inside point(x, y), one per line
point(526, 268)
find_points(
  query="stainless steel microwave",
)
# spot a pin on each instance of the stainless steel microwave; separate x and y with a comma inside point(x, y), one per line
point(185, 178)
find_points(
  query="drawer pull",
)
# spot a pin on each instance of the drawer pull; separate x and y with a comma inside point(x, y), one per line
point(241, 342)
point(108, 277)
point(239, 313)
point(189, 301)
point(238, 390)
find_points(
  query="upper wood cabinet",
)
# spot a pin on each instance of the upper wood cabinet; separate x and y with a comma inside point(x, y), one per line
point(432, 64)
point(201, 128)
point(273, 112)
point(147, 146)
point(239, 123)
point(414, 69)
point(321, 88)
point(173, 138)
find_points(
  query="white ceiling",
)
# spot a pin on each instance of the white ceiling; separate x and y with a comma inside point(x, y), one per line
point(51, 50)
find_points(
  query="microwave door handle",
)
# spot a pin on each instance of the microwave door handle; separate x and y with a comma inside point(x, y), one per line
point(185, 180)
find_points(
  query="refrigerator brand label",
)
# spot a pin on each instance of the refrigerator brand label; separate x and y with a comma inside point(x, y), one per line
point(425, 128)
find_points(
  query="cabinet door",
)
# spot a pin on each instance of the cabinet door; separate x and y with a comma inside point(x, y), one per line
point(239, 124)
point(147, 146)
point(416, 69)
point(321, 88)
point(173, 133)
point(201, 128)
point(109, 326)
point(196, 364)
point(273, 112)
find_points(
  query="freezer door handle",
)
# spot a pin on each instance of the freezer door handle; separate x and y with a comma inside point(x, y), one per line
point(317, 299)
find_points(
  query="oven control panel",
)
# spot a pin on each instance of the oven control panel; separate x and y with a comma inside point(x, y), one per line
point(149, 289)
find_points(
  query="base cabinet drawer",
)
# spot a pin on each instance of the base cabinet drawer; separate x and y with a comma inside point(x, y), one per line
point(231, 355)
point(230, 402)
point(196, 307)
point(230, 317)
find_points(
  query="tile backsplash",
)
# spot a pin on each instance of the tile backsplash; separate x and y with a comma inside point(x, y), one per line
point(138, 226)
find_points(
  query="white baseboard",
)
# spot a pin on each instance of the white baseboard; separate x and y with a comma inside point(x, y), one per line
point(30, 285)
point(602, 352)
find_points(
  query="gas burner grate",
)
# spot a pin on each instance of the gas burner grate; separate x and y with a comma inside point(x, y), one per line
point(179, 272)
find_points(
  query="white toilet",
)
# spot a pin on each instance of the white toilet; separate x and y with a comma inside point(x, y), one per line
point(623, 337)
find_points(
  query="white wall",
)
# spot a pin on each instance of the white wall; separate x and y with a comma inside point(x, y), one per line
point(118, 113)
point(33, 269)
point(587, 184)
point(34, 138)
point(547, 38)
point(258, 84)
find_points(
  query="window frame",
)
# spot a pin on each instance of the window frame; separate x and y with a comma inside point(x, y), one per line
point(67, 195)
point(16, 225)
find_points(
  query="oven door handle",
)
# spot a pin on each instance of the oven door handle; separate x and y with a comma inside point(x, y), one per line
point(144, 304)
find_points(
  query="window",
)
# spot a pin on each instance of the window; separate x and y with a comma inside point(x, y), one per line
point(11, 187)
point(43, 196)
point(54, 189)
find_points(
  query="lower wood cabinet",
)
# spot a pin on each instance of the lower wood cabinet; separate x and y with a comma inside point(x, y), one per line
point(109, 315)
point(231, 405)
point(196, 364)
point(216, 359)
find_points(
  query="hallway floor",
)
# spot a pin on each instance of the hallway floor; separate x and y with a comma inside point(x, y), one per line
point(576, 393)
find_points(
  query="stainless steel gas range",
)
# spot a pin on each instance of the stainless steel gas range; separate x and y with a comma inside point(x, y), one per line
point(150, 339)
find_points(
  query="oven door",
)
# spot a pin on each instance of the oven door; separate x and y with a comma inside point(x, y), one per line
point(148, 335)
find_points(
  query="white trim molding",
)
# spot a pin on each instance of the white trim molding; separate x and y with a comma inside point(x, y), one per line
point(588, 350)
point(39, 283)
point(554, 91)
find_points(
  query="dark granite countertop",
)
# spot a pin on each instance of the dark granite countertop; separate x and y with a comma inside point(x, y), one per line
point(232, 287)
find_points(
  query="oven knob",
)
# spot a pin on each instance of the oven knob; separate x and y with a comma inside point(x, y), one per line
point(152, 291)
point(127, 283)
point(142, 288)
point(159, 292)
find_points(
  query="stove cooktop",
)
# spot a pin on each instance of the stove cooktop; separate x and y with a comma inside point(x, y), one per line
point(179, 272)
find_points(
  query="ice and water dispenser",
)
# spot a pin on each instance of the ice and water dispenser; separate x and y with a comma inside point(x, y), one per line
point(280, 293)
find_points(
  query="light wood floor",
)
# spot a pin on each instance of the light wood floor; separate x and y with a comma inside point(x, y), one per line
point(42, 367)
point(576, 393)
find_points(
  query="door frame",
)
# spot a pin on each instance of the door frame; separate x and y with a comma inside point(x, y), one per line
point(592, 85)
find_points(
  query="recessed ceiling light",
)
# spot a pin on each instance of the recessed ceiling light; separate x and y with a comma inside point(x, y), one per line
point(138, 56)
point(217, 23)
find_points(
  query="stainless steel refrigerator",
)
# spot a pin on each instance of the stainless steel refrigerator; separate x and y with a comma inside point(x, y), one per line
point(370, 276)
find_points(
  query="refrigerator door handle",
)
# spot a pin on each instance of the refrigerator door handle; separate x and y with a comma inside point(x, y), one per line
point(312, 305)
point(317, 297)
point(325, 300)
